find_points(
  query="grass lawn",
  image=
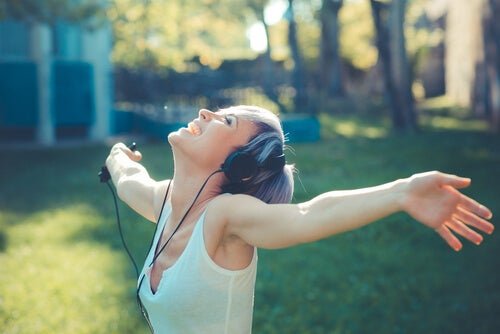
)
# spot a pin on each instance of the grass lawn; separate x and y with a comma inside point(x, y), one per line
point(63, 269)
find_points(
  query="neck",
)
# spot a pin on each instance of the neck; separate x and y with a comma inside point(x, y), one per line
point(186, 185)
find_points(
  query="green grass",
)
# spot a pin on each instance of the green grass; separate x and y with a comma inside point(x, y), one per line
point(63, 269)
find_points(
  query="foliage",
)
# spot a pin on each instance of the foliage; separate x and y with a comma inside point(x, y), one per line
point(357, 35)
point(63, 269)
point(49, 11)
point(171, 33)
point(420, 32)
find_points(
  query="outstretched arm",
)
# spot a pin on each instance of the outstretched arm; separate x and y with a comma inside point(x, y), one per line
point(431, 198)
point(133, 184)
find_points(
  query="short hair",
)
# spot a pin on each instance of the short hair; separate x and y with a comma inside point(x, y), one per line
point(270, 186)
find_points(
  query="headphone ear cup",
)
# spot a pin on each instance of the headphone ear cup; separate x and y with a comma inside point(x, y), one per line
point(239, 166)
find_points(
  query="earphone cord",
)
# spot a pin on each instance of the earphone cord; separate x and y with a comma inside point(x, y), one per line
point(185, 215)
point(120, 229)
point(141, 306)
point(139, 301)
point(144, 313)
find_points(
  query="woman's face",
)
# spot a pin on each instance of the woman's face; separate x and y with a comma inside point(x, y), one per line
point(211, 137)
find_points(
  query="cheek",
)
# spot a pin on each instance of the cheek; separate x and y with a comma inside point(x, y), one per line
point(218, 152)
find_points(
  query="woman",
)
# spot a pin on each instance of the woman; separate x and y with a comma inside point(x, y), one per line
point(200, 273)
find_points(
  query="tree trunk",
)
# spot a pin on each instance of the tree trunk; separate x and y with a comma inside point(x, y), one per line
point(400, 65)
point(268, 84)
point(464, 51)
point(330, 64)
point(384, 57)
point(491, 27)
point(394, 62)
point(473, 57)
point(298, 76)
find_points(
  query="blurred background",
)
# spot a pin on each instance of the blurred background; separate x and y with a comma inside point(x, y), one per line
point(368, 91)
point(90, 69)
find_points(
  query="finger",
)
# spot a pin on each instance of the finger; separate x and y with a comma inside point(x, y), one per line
point(135, 155)
point(474, 220)
point(462, 229)
point(471, 205)
point(119, 145)
point(450, 239)
point(455, 181)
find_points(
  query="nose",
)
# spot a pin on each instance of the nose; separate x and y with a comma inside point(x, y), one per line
point(205, 114)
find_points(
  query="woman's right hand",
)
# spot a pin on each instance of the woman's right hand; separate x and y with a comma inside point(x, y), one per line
point(121, 147)
point(133, 184)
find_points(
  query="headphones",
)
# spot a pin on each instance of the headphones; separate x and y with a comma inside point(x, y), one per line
point(241, 166)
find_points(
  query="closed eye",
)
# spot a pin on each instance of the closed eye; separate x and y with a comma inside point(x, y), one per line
point(228, 120)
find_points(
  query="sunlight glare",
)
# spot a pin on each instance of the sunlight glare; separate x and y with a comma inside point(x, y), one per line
point(274, 11)
point(256, 33)
point(257, 37)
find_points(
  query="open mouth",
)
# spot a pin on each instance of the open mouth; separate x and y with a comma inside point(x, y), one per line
point(194, 129)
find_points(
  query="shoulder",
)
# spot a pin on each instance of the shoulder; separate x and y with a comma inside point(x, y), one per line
point(253, 222)
point(229, 209)
point(225, 211)
point(228, 204)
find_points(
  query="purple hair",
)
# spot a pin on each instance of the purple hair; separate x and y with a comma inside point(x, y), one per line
point(270, 186)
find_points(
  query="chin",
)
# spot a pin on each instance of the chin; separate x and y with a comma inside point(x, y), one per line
point(174, 137)
point(171, 137)
point(178, 142)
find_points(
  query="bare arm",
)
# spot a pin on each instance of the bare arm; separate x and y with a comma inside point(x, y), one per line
point(133, 184)
point(430, 198)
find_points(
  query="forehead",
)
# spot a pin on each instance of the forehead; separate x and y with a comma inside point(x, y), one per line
point(245, 125)
point(253, 114)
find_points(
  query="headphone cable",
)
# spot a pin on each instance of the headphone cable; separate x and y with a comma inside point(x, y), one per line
point(105, 178)
point(120, 229)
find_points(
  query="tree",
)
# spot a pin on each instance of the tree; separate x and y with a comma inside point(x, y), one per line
point(491, 26)
point(392, 56)
point(171, 33)
point(268, 84)
point(298, 75)
point(330, 62)
point(52, 10)
point(472, 57)
point(401, 68)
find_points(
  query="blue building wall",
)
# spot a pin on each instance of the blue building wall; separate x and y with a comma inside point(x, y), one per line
point(18, 94)
point(72, 81)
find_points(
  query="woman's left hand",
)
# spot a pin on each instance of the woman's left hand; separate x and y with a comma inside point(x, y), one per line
point(433, 199)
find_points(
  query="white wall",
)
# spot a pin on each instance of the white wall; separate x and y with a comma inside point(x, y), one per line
point(96, 49)
point(41, 53)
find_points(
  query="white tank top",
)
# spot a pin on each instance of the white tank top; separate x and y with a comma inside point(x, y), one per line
point(195, 295)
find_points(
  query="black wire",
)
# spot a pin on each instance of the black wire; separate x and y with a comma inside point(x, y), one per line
point(184, 217)
point(120, 229)
point(141, 306)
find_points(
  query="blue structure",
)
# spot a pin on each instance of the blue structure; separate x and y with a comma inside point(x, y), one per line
point(55, 82)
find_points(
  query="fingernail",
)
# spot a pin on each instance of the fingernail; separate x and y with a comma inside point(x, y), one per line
point(487, 213)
